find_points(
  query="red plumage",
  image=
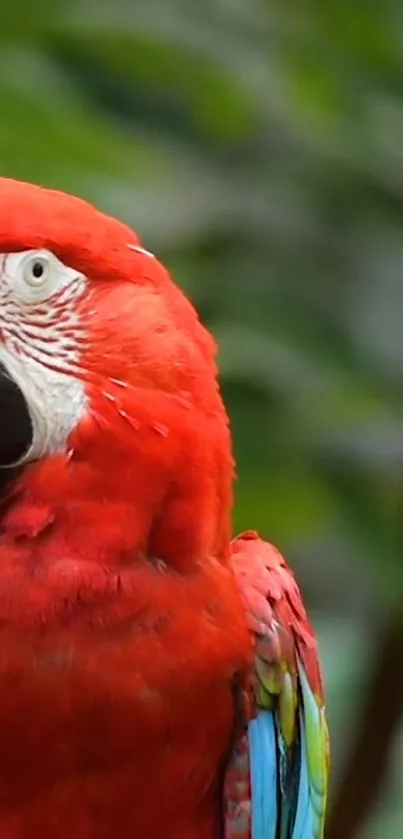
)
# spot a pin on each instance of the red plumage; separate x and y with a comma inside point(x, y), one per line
point(122, 626)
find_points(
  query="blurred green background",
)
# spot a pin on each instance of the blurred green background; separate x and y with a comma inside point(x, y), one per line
point(257, 147)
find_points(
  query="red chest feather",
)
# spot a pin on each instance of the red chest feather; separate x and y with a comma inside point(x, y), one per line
point(116, 709)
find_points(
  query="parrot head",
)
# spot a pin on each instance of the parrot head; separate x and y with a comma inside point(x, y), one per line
point(108, 384)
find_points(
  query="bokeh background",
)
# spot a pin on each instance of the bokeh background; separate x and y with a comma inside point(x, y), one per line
point(257, 147)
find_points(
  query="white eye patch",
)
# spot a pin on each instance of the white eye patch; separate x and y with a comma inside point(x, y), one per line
point(40, 334)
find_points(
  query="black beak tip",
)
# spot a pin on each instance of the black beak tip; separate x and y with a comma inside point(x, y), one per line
point(16, 430)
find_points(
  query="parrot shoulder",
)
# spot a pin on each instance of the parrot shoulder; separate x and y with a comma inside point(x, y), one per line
point(277, 775)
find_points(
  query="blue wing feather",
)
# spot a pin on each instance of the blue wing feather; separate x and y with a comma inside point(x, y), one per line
point(263, 769)
point(305, 825)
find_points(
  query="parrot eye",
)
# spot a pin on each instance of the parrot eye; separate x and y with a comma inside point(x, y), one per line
point(36, 270)
point(34, 276)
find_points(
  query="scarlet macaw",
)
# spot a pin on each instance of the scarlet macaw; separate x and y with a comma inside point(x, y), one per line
point(157, 679)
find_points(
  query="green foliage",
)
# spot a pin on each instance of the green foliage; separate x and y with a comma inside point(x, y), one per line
point(257, 148)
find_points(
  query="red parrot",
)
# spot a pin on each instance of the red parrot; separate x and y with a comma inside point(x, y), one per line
point(158, 679)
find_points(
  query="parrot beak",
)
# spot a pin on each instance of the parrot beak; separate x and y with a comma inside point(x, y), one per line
point(15, 422)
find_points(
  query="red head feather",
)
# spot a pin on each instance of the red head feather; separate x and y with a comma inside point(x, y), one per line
point(154, 434)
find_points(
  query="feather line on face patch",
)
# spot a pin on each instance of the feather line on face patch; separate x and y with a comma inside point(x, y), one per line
point(139, 249)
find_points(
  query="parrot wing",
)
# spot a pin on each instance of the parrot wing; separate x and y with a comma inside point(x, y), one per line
point(277, 775)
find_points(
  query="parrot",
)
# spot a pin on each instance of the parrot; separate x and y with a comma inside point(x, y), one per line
point(159, 677)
